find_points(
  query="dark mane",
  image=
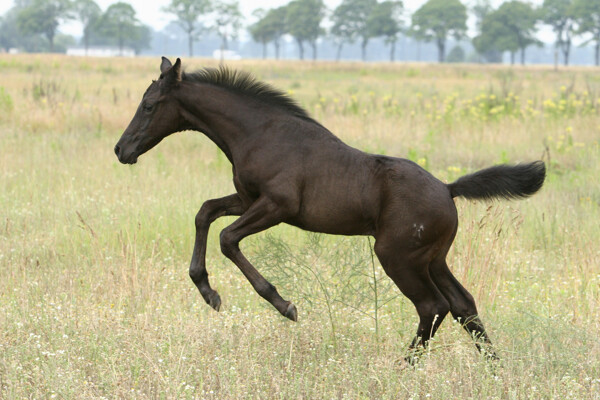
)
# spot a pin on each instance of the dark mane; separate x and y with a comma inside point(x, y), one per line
point(246, 84)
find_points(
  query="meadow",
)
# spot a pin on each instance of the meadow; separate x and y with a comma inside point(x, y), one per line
point(95, 298)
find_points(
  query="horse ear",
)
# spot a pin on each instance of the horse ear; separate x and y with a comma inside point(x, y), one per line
point(172, 76)
point(165, 65)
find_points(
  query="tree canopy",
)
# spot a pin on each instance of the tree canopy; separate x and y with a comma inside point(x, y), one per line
point(43, 17)
point(120, 24)
point(559, 15)
point(350, 22)
point(187, 14)
point(227, 21)
point(384, 21)
point(509, 28)
point(270, 28)
point(438, 19)
point(303, 20)
point(88, 13)
point(587, 15)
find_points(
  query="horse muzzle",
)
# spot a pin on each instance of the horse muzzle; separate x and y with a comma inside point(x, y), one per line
point(125, 158)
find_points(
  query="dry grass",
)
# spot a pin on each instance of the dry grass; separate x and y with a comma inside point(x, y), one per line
point(95, 301)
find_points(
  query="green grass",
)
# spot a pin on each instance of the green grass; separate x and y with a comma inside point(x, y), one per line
point(96, 302)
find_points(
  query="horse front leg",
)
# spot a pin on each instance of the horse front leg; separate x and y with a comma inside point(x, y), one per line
point(209, 212)
point(262, 214)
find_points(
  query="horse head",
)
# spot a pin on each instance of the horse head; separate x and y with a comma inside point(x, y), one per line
point(157, 115)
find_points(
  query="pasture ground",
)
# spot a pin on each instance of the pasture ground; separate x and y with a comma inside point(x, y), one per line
point(95, 299)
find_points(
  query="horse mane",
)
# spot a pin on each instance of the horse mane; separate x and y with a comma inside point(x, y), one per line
point(246, 84)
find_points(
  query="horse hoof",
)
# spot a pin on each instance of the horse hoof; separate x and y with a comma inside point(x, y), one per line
point(291, 312)
point(215, 301)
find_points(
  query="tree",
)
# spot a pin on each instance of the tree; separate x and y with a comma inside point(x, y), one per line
point(259, 31)
point(44, 17)
point(120, 24)
point(88, 13)
point(269, 28)
point(141, 38)
point(187, 13)
point(587, 15)
point(227, 22)
point(481, 9)
point(9, 32)
point(559, 15)
point(350, 21)
point(438, 19)
point(385, 21)
point(303, 19)
point(510, 28)
point(11, 36)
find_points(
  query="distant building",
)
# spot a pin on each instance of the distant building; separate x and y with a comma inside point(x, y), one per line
point(100, 51)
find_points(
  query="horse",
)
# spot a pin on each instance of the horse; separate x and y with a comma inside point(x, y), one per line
point(288, 168)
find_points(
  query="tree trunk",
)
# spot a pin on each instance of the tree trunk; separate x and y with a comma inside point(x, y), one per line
point(523, 56)
point(363, 49)
point(313, 44)
point(225, 45)
point(86, 42)
point(51, 40)
point(441, 44)
point(276, 43)
point(512, 58)
point(264, 45)
point(597, 52)
point(566, 51)
point(300, 48)
point(338, 53)
point(121, 40)
point(392, 51)
point(190, 44)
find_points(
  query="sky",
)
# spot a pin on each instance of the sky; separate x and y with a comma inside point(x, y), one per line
point(149, 11)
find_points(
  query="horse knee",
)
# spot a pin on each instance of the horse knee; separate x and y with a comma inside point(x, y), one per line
point(229, 243)
point(203, 217)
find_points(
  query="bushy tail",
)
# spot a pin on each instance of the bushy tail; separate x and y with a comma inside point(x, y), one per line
point(505, 181)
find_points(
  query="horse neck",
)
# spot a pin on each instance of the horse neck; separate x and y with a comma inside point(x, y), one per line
point(224, 117)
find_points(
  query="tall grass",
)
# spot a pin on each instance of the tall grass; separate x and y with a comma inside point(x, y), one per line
point(95, 299)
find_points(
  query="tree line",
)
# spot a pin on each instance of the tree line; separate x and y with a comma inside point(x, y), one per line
point(510, 28)
point(32, 25)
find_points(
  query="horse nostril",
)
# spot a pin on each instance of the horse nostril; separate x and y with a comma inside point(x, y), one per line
point(117, 150)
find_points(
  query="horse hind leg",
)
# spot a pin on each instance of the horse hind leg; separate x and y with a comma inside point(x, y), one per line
point(462, 306)
point(261, 215)
point(411, 275)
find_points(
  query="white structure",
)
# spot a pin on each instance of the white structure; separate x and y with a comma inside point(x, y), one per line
point(98, 51)
point(226, 55)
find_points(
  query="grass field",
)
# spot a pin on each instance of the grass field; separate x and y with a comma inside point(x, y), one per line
point(95, 298)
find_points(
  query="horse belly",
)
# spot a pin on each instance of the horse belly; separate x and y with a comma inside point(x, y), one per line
point(334, 215)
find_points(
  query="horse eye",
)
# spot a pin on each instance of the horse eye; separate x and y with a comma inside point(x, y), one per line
point(148, 107)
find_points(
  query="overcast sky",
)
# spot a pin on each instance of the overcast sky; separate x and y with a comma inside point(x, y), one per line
point(149, 11)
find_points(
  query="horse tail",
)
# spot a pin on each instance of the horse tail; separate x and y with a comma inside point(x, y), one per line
point(504, 181)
